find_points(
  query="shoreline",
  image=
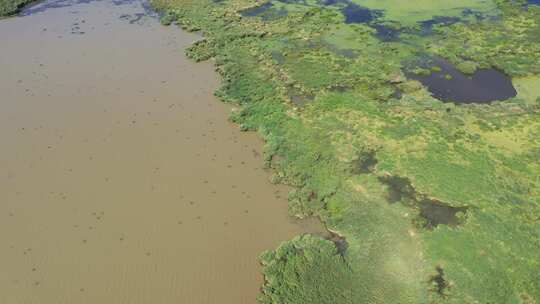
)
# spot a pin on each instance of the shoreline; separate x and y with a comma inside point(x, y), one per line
point(421, 199)
point(160, 201)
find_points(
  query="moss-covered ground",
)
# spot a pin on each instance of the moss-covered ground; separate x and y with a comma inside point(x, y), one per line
point(438, 202)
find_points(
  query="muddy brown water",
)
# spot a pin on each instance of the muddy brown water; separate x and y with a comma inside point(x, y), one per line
point(121, 179)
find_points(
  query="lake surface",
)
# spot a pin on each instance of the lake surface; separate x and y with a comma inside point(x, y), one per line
point(121, 179)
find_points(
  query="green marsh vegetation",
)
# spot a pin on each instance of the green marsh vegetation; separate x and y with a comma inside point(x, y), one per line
point(439, 202)
point(12, 7)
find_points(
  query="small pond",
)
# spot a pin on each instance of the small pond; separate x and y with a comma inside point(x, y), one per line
point(448, 84)
point(436, 213)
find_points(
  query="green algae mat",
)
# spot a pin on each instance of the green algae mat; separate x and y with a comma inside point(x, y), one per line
point(410, 128)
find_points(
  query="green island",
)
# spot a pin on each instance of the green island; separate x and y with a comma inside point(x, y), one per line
point(434, 201)
point(431, 197)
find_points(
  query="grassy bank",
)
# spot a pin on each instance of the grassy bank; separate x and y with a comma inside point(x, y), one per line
point(12, 7)
point(438, 202)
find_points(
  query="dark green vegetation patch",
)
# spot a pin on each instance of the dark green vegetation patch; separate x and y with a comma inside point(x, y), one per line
point(12, 7)
point(293, 273)
point(439, 201)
